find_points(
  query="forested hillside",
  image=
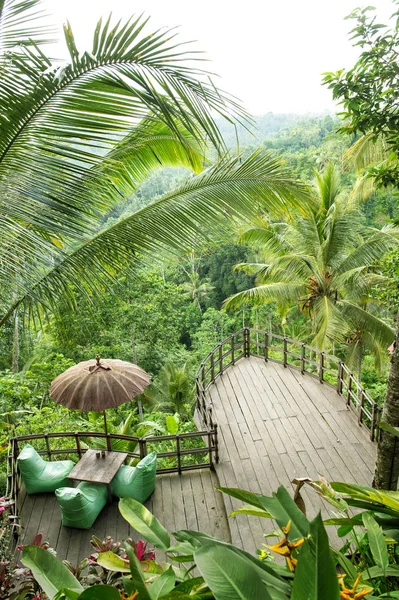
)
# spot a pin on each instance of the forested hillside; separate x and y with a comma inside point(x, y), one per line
point(167, 314)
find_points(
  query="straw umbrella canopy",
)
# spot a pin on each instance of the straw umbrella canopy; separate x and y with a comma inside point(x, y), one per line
point(98, 385)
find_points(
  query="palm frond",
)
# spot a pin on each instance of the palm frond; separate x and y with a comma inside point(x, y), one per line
point(365, 151)
point(176, 222)
point(23, 23)
point(59, 124)
point(364, 320)
point(280, 292)
point(328, 186)
point(371, 251)
point(269, 236)
point(328, 323)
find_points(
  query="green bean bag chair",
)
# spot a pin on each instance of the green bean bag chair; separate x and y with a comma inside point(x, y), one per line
point(81, 506)
point(40, 475)
point(136, 482)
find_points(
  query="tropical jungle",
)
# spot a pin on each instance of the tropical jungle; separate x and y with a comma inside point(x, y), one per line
point(147, 217)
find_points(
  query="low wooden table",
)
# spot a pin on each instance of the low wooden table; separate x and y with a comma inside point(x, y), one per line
point(96, 469)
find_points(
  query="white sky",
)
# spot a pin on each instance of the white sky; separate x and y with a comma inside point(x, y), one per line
point(269, 53)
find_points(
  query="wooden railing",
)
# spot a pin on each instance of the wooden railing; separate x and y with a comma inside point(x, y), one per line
point(328, 369)
point(81, 441)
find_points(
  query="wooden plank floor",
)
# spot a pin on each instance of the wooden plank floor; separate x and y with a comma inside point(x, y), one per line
point(276, 424)
point(188, 501)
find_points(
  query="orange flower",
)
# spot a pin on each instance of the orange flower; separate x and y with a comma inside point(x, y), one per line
point(132, 596)
point(352, 594)
point(285, 548)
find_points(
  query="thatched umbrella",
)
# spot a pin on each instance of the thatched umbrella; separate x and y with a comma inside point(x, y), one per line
point(98, 385)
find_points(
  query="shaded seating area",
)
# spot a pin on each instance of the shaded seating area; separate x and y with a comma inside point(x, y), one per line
point(40, 475)
point(81, 506)
point(136, 482)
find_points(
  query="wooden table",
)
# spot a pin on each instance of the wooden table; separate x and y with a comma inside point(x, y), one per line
point(96, 469)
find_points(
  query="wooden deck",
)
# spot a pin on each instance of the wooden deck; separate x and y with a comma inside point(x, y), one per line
point(188, 501)
point(276, 424)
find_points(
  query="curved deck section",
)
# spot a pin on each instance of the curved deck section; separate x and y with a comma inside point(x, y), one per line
point(276, 424)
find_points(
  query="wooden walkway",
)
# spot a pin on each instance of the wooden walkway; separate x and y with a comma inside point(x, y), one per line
point(188, 501)
point(276, 424)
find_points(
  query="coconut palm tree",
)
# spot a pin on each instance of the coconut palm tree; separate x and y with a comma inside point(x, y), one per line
point(77, 138)
point(324, 261)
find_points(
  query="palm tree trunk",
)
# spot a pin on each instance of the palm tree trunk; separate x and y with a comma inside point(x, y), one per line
point(15, 345)
point(387, 464)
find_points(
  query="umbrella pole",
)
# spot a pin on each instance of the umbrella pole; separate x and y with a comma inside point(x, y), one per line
point(105, 421)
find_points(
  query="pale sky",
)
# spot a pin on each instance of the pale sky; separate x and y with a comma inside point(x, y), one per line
point(268, 53)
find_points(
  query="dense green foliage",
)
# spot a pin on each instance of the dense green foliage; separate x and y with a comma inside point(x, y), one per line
point(367, 565)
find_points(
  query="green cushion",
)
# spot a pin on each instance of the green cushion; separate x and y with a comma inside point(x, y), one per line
point(40, 475)
point(81, 506)
point(136, 482)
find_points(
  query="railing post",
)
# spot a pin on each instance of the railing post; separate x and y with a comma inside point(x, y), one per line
point(47, 446)
point(216, 443)
point(303, 359)
point(178, 453)
point(141, 448)
point(373, 422)
point(221, 359)
point(197, 388)
point(247, 342)
point(212, 367)
point(203, 375)
point(321, 367)
point(210, 450)
point(232, 349)
point(109, 443)
point(78, 447)
point(348, 399)
point(339, 378)
point(285, 352)
point(266, 347)
point(361, 404)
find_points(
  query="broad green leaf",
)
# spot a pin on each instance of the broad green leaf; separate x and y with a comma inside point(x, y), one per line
point(391, 571)
point(367, 494)
point(172, 424)
point(248, 497)
point(272, 574)
point(140, 518)
point(137, 582)
point(253, 511)
point(190, 585)
point(182, 548)
point(282, 508)
point(50, 573)
point(64, 594)
point(100, 592)
point(315, 575)
point(344, 563)
point(113, 562)
point(344, 530)
point(228, 575)
point(377, 543)
point(163, 585)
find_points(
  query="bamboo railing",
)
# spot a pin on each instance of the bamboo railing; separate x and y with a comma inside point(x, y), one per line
point(328, 369)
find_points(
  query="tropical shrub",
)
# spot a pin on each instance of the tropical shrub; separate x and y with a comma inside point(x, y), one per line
point(313, 569)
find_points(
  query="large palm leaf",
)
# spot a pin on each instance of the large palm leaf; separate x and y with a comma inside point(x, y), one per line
point(76, 139)
point(177, 221)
